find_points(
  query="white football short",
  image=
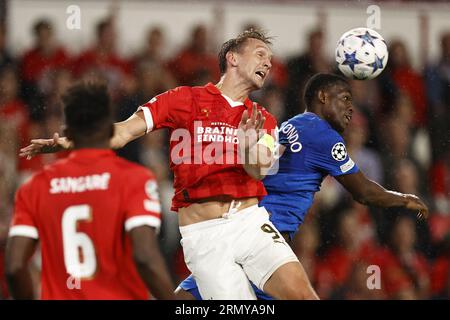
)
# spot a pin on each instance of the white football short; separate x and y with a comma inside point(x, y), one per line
point(223, 254)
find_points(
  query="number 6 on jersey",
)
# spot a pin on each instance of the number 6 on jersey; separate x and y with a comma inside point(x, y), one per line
point(79, 251)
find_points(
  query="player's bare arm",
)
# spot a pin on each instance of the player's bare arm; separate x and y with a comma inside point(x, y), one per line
point(258, 156)
point(18, 253)
point(369, 192)
point(124, 132)
point(150, 264)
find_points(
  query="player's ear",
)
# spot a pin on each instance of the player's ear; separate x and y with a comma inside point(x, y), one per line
point(322, 96)
point(231, 58)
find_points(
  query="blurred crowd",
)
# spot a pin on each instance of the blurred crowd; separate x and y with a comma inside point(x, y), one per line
point(399, 137)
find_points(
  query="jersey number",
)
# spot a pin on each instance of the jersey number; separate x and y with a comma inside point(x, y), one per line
point(79, 251)
point(268, 229)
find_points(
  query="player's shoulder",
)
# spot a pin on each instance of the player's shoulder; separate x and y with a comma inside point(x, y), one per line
point(309, 124)
point(183, 90)
point(311, 127)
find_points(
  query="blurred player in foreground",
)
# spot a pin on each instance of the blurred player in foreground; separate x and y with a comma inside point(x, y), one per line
point(312, 148)
point(95, 215)
point(221, 143)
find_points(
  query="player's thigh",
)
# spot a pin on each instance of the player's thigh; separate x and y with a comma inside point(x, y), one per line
point(212, 262)
point(290, 282)
point(268, 250)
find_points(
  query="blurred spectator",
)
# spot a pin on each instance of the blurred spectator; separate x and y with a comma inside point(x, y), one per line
point(102, 58)
point(404, 270)
point(437, 77)
point(366, 99)
point(356, 138)
point(440, 272)
point(301, 68)
point(355, 287)
point(151, 79)
point(396, 139)
point(405, 179)
point(153, 51)
point(351, 245)
point(440, 191)
point(45, 55)
point(194, 65)
point(4, 224)
point(272, 98)
point(15, 113)
point(440, 183)
point(407, 81)
point(6, 58)
point(52, 87)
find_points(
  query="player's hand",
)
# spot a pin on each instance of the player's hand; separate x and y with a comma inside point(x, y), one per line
point(250, 127)
point(254, 122)
point(414, 203)
point(38, 146)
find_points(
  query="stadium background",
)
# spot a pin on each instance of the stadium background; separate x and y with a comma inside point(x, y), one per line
point(399, 137)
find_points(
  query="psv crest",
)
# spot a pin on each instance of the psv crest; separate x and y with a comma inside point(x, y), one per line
point(339, 152)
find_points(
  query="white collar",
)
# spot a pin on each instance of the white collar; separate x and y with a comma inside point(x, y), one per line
point(231, 102)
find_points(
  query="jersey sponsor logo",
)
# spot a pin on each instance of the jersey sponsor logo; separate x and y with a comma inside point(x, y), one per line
point(80, 184)
point(292, 137)
point(217, 143)
point(347, 166)
point(221, 132)
point(339, 152)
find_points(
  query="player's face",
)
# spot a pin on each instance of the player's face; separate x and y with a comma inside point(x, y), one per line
point(254, 62)
point(339, 109)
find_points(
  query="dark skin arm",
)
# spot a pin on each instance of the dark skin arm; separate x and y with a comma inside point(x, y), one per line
point(368, 192)
point(18, 253)
point(150, 263)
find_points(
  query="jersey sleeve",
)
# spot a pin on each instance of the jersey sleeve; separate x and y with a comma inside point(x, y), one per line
point(142, 205)
point(167, 109)
point(23, 221)
point(328, 153)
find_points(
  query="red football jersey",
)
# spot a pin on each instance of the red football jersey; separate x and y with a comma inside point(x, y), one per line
point(203, 148)
point(81, 208)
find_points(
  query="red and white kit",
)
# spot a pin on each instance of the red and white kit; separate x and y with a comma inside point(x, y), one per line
point(80, 209)
point(223, 253)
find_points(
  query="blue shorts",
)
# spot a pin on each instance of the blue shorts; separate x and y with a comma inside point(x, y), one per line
point(190, 286)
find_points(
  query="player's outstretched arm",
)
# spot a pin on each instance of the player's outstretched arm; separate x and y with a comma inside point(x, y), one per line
point(124, 132)
point(18, 252)
point(369, 192)
point(150, 263)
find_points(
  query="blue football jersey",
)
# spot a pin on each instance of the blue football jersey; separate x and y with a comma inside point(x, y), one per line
point(313, 151)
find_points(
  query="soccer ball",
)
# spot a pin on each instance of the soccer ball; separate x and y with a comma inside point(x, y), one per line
point(361, 54)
